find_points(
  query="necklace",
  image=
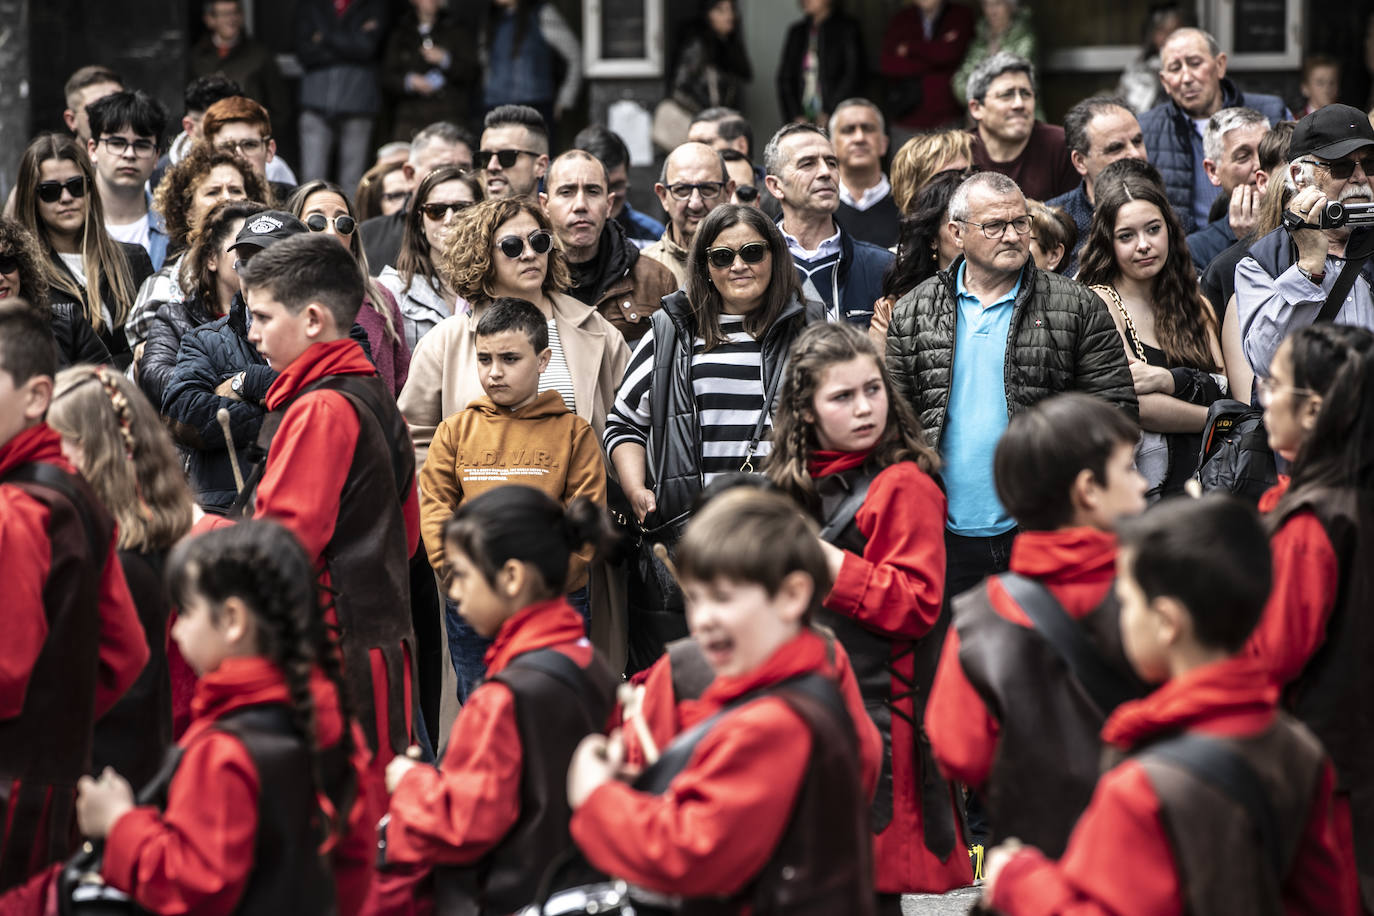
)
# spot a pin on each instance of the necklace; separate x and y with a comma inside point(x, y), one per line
point(1126, 317)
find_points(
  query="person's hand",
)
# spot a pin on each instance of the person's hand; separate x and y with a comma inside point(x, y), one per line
point(1312, 243)
point(371, 25)
point(1150, 379)
point(226, 390)
point(396, 770)
point(596, 762)
point(642, 502)
point(418, 85)
point(1243, 212)
point(100, 803)
point(997, 860)
point(434, 54)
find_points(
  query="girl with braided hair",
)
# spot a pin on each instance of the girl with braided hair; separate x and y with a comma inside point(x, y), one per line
point(262, 795)
point(855, 458)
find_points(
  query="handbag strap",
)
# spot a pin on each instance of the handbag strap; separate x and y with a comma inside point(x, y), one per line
point(1105, 686)
point(772, 387)
point(1345, 281)
point(1125, 316)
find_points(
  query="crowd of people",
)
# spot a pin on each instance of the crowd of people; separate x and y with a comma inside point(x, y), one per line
point(838, 538)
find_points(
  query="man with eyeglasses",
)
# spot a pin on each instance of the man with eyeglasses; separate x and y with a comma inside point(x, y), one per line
point(836, 269)
point(240, 125)
point(1007, 137)
point(986, 337)
point(692, 183)
point(608, 272)
point(515, 151)
point(1300, 274)
point(126, 131)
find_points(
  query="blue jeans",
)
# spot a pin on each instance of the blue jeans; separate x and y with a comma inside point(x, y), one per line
point(467, 648)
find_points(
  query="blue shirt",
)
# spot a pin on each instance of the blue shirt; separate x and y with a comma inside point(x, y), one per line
point(1204, 192)
point(977, 412)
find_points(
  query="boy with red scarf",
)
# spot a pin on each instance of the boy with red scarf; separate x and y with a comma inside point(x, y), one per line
point(73, 641)
point(1006, 717)
point(1224, 804)
point(339, 471)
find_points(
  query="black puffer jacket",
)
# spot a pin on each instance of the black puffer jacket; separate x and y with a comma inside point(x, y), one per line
point(170, 323)
point(77, 341)
point(140, 269)
point(1061, 339)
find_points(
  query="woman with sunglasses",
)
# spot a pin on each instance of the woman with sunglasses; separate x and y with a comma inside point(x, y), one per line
point(22, 276)
point(729, 331)
point(324, 207)
point(416, 280)
point(505, 248)
point(57, 201)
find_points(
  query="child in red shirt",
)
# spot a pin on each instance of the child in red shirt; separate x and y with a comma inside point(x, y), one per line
point(759, 809)
point(267, 768)
point(495, 814)
point(73, 642)
point(1172, 830)
point(1006, 716)
point(339, 471)
point(1316, 636)
point(856, 460)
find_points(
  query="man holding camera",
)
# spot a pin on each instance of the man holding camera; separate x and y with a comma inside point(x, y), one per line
point(1302, 273)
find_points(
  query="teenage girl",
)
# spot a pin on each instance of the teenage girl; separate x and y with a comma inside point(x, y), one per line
point(856, 458)
point(1317, 634)
point(496, 811)
point(246, 815)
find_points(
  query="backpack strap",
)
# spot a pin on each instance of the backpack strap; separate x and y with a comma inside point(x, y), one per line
point(848, 508)
point(1105, 686)
point(1345, 281)
point(554, 664)
point(1213, 762)
point(691, 673)
point(52, 478)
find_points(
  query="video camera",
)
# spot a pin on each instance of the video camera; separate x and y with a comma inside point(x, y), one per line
point(1336, 215)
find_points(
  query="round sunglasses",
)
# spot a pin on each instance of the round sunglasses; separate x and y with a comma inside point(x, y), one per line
point(722, 257)
point(50, 192)
point(343, 225)
point(513, 246)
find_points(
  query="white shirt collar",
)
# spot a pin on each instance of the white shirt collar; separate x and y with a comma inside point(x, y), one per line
point(869, 198)
point(829, 246)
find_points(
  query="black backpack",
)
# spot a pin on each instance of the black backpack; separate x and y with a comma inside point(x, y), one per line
point(1236, 457)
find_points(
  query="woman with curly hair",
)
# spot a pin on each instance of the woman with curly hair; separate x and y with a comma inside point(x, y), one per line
point(923, 157)
point(205, 177)
point(23, 276)
point(416, 280)
point(1137, 261)
point(505, 248)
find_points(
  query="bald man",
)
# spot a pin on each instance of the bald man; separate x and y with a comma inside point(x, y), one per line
point(608, 271)
point(693, 182)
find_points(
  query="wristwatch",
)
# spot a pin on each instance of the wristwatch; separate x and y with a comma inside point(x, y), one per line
point(236, 384)
point(1311, 277)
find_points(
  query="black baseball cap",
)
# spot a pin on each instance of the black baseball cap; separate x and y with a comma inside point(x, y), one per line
point(265, 228)
point(1331, 132)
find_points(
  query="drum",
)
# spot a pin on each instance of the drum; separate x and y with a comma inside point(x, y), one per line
point(610, 897)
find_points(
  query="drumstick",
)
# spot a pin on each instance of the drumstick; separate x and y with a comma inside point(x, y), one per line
point(1193, 487)
point(631, 697)
point(662, 553)
point(223, 416)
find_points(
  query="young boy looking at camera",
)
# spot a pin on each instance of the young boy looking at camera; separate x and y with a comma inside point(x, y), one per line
point(1224, 804)
point(761, 806)
point(1005, 711)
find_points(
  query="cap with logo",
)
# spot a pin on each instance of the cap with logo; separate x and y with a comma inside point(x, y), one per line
point(265, 228)
point(1331, 132)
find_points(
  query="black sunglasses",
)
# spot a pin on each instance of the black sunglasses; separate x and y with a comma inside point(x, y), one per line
point(505, 157)
point(318, 222)
point(747, 193)
point(50, 192)
point(9, 263)
point(513, 246)
point(439, 211)
point(723, 257)
point(1341, 169)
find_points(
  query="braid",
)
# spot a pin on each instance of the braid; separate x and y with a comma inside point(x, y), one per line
point(324, 642)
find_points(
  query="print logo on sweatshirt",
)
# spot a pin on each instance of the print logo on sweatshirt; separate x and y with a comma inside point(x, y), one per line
point(263, 225)
point(505, 464)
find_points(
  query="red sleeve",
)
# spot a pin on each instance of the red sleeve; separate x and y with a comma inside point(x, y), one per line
point(1306, 577)
point(897, 586)
point(900, 35)
point(962, 733)
point(28, 556)
point(870, 739)
point(1118, 862)
point(457, 814)
point(307, 467)
point(720, 819)
point(196, 856)
point(1324, 877)
point(123, 644)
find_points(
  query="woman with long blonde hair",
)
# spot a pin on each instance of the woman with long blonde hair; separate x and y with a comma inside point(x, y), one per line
point(114, 437)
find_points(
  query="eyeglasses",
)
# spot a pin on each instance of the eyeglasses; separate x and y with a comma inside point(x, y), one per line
point(394, 197)
point(440, 211)
point(723, 257)
point(995, 229)
point(9, 263)
point(1341, 169)
point(343, 225)
point(119, 146)
point(709, 190)
point(505, 157)
point(513, 246)
point(746, 193)
point(1266, 388)
point(243, 147)
point(50, 192)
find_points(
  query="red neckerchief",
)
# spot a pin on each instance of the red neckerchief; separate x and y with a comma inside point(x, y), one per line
point(39, 442)
point(536, 626)
point(334, 357)
point(822, 463)
point(803, 654)
point(1237, 688)
point(252, 680)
